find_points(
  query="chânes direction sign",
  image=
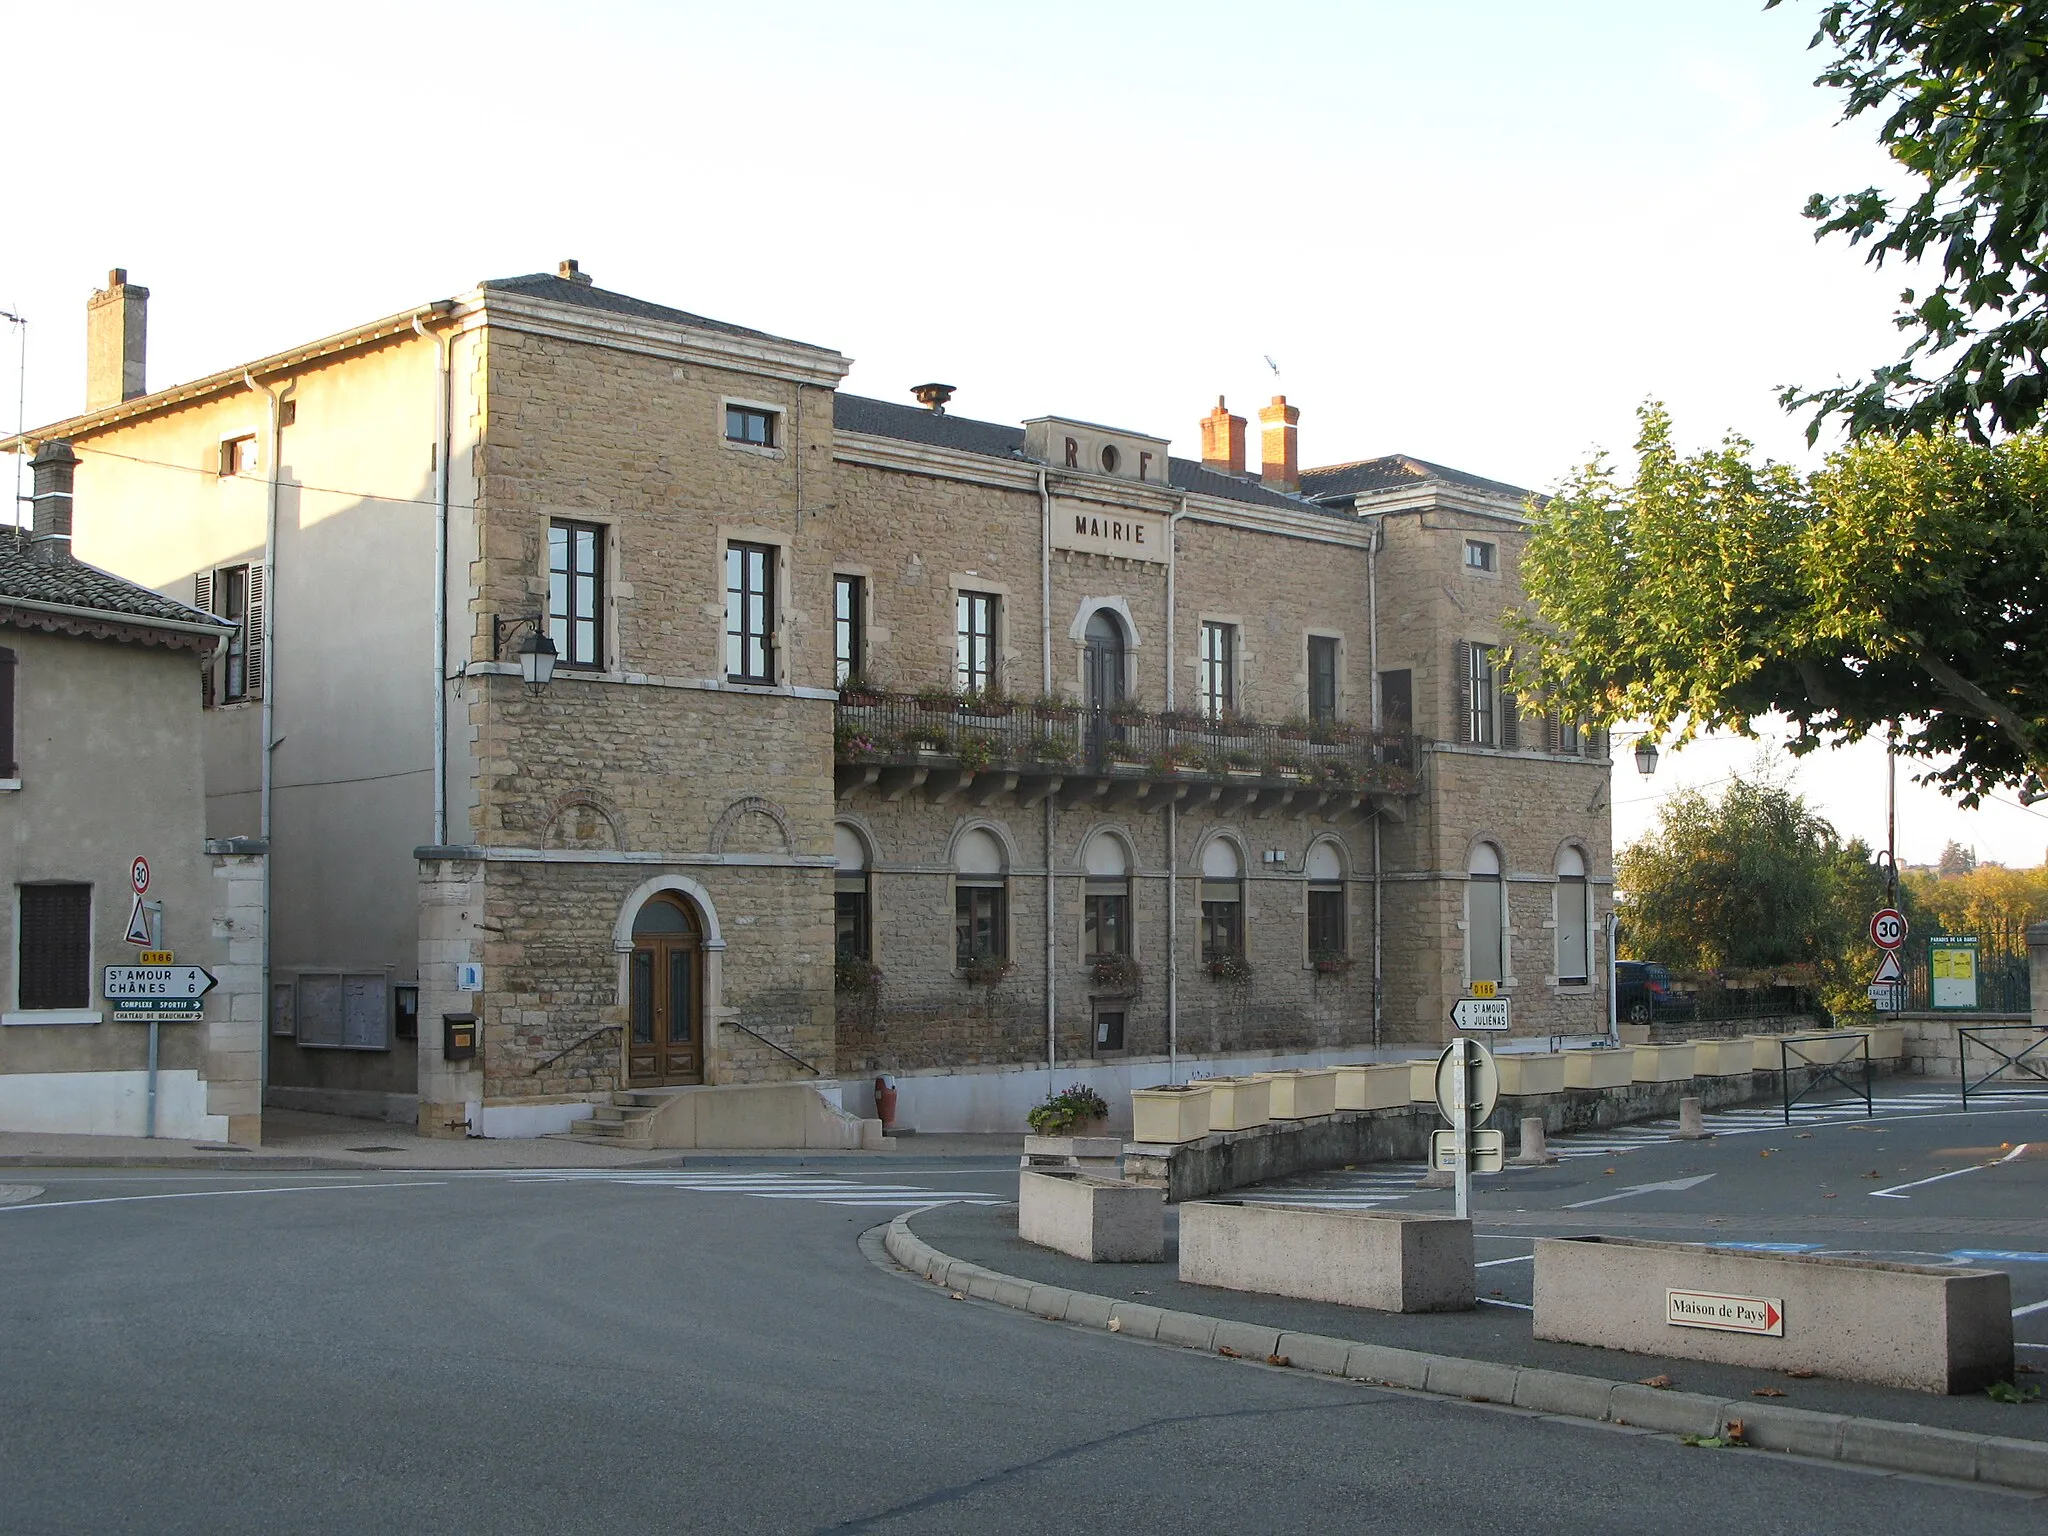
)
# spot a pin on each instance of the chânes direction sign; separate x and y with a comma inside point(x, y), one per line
point(158, 991)
point(1725, 1314)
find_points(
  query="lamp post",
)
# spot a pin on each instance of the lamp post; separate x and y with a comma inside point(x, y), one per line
point(1646, 764)
point(536, 653)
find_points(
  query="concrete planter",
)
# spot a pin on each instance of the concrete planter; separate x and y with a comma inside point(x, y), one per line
point(1531, 1072)
point(1170, 1114)
point(1371, 1087)
point(1610, 1068)
point(1897, 1325)
point(1422, 1081)
point(1239, 1103)
point(1103, 1221)
point(1663, 1063)
point(1722, 1058)
point(1389, 1261)
point(1765, 1053)
point(1301, 1095)
point(1887, 1041)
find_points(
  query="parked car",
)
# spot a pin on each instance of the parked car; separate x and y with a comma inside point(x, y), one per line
point(1643, 993)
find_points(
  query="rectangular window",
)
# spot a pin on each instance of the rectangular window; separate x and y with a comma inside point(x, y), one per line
point(1478, 555)
point(1483, 928)
point(975, 671)
point(576, 593)
point(232, 585)
point(345, 1012)
point(1219, 670)
point(1106, 920)
point(850, 918)
point(1397, 700)
point(237, 455)
point(1573, 929)
point(1322, 677)
point(1479, 685)
point(1109, 1029)
point(745, 424)
point(405, 1005)
point(980, 931)
point(1326, 935)
point(1222, 919)
point(849, 628)
point(750, 613)
point(234, 593)
point(55, 961)
point(10, 766)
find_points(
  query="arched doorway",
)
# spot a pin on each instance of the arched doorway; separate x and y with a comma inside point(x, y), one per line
point(1104, 663)
point(665, 1039)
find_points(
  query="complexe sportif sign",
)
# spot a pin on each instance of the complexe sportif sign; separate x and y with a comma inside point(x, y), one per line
point(1725, 1314)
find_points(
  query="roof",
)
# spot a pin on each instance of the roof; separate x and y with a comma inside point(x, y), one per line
point(68, 583)
point(561, 290)
point(1396, 471)
point(914, 424)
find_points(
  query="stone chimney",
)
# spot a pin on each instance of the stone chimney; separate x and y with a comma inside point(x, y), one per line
point(1279, 449)
point(1223, 441)
point(116, 327)
point(54, 465)
point(569, 272)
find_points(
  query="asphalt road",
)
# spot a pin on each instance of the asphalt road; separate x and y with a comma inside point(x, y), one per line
point(711, 1351)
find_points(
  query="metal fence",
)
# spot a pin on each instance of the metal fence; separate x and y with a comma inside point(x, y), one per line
point(2003, 982)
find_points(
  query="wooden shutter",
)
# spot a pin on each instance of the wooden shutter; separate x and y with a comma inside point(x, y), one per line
point(202, 599)
point(9, 768)
point(1510, 711)
point(1461, 663)
point(252, 632)
point(1553, 732)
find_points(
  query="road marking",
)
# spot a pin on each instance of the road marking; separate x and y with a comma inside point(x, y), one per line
point(1997, 1256)
point(1673, 1185)
point(824, 1190)
point(1771, 1247)
point(1954, 1173)
point(217, 1194)
point(1520, 1258)
point(2039, 1306)
point(1494, 1301)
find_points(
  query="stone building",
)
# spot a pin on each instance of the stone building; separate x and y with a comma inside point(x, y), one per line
point(684, 718)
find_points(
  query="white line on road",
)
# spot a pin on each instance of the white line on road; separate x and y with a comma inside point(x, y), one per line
point(218, 1194)
point(1520, 1258)
point(1673, 1185)
point(1954, 1173)
point(1491, 1301)
point(2039, 1306)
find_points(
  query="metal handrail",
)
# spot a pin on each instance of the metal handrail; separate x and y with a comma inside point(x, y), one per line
point(1830, 1071)
point(602, 1029)
point(1965, 1033)
point(736, 1024)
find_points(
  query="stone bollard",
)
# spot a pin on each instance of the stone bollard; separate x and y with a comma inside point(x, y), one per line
point(1690, 1127)
point(1534, 1153)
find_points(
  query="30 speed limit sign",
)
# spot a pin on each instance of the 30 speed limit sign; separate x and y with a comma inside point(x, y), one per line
point(1888, 928)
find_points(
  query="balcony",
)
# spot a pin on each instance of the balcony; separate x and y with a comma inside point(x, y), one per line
point(943, 748)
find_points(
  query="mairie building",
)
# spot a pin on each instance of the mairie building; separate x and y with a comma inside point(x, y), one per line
point(628, 706)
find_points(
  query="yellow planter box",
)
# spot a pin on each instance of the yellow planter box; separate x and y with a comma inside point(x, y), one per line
point(1887, 1041)
point(1663, 1063)
point(1531, 1072)
point(1301, 1095)
point(1422, 1081)
point(1373, 1087)
point(1170, 1113)
point(1239, 1103)
point(1600, 1068)
point(1722, 1058)
point(1764, 1053)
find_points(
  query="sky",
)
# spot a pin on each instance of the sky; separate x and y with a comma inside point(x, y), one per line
point(1482, 232)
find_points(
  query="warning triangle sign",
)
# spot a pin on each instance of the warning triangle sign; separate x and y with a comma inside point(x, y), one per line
point(138, 925)
point(1888, 968)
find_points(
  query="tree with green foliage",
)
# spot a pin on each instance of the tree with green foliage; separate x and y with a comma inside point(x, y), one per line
point(1962, 86)
point(1753, 880)
point(1899, 591)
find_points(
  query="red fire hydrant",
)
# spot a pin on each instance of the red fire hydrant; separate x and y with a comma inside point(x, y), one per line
point(885, 1102)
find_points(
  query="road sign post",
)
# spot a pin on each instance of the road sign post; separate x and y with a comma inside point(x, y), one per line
point(1467, 1088)
point(152, 993)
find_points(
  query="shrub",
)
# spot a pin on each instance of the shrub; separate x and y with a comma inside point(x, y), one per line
point(1061, 1111)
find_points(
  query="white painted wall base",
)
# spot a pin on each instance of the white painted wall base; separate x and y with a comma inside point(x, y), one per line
point(520, 1120)
point(108, 1104)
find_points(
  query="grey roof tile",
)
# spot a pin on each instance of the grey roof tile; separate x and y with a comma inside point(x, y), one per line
point(559, 290)
point(1393, 472)
point(74, 584)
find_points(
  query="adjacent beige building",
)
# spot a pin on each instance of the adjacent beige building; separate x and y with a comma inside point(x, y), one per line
point(878, 740)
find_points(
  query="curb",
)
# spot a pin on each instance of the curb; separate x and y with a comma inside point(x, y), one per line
point(261, 1162)
point(1919, 1449)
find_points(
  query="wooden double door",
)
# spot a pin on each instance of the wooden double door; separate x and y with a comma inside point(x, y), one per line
point(665, 1030)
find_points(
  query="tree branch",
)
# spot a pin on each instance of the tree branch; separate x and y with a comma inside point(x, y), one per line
point(2013, 725)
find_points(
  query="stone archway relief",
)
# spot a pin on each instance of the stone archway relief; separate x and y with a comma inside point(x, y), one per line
point(585, 820)
point(752, 824)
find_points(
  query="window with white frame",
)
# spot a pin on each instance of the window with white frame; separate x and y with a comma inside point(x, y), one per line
point(1479, 555)
point(576, 593)
point(1106, 898)
point(750, 613)
point(1574, 918)
point(981, 900)
point(976, 614)
point(1219, 670)
point(1485, 916)
point(849, 628)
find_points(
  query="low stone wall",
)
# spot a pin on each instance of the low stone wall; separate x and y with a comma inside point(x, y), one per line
point(1678, 1031)
point(1933, 1050)
point(1389, 1261)
point(1099, 1221)
point(1232, 1159)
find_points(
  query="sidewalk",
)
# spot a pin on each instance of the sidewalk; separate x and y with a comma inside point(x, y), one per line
point(295, 1140)
point(1497, 1339)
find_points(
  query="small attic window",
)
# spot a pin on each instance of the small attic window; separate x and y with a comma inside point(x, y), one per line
point(745, 424)
point(1478, 555)
point(237, 455)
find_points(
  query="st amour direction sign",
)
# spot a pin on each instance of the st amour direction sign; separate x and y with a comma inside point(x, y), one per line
point(158, 991)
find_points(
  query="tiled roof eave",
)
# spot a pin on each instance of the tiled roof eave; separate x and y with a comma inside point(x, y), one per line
point(110, 624)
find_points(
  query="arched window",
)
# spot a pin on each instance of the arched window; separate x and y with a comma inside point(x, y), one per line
point(1105, 659)
point(1106, 900)
point(981, 892)
point(1328, 933)
point(1574, 918)
point(852, 915)
point(1222, 901)
point(1485, 917)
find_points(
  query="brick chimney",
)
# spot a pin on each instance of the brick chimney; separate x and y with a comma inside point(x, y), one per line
point(1223, 441)
point(53, 465)
point(1279, 450)
point(570, 272)
point(116, 327)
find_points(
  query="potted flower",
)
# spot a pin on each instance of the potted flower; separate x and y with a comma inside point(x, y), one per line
point(852, 975)
point(1118, 973)
point(1237, 760)
point(1293, 728)
point(857, 690)
point(1128, 711)
point(1121, 754)
point(1287, 766)
point(1052, 749)
point(850, 742)
point(936, 700)
point(989, 703)
point(975, 753)
point(1048, 706)
point(1329, 962)
point(1229, 965)
point(1077, 1111)
point(985, 970)
point(927, 738)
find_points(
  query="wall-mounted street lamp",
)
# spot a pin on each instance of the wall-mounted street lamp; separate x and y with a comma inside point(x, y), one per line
point(536, 652)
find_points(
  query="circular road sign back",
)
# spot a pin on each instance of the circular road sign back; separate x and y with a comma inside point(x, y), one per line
point(138, 875)
point(1484, 1079)
point(1888, 928)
